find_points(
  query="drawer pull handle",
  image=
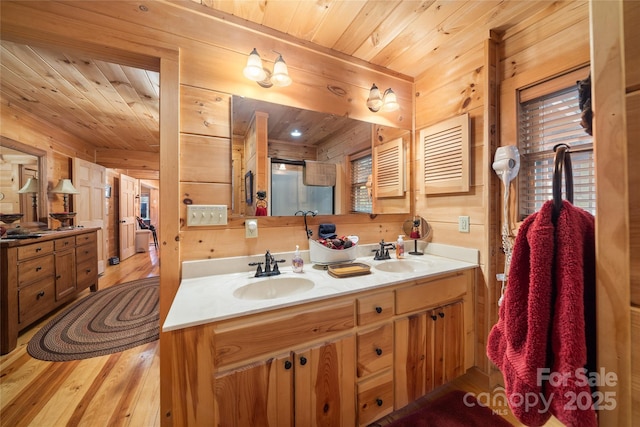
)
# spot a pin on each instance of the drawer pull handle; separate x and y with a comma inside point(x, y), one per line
point(379, 402)
point(40, 295)
point(434, 317)
point(38, 268)
point(441, 314)
point(287, 364)
point(88, 271)
point(379, 351)
point(378, 309)
point(303, 360)
point(38, 249)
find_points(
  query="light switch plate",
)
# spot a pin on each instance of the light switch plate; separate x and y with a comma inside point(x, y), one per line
point(204, 215)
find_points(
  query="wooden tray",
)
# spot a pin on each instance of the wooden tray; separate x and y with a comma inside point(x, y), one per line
point(349, 269)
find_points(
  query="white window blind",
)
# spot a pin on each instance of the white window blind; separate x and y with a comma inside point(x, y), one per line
point(544, 122)
point(360, 173)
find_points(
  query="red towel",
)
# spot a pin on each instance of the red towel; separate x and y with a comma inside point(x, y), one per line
point(545, 321)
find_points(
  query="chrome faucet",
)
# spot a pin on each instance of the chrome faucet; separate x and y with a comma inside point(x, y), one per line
point(270, 266)
point(383, 252)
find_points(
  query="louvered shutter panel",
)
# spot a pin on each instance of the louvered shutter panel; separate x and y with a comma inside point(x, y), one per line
point(445, 156)
point(389, 170)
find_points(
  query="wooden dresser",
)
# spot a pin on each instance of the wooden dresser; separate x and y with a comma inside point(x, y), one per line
point(38, 275)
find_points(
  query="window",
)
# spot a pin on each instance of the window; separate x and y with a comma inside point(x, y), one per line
point(549, 115)
point(360, 176)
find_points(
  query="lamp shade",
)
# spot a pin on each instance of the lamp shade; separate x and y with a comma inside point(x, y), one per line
point(280, 76)
point(65, 187)
point(254, 70)
point(374, 102)
point(390, 102)
point(30, 187)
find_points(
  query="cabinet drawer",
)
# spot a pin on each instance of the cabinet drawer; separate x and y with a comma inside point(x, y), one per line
point(35, 269)
point(86, 274)
point(375, 350)
point(83, 239)
point(373, 308)
point(430, 294)
point(247, 338)
point(37, 249)
point(375, 398)
point(66, 243)
point(36, 300)
point(85, 253)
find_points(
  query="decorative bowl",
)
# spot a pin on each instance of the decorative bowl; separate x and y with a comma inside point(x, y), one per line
point(9, 218)
point(62, 216)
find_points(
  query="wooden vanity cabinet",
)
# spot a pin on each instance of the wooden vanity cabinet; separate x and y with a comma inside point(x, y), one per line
point(431, 343)
point(38, 275)
point(304, 386)
point(343, 361)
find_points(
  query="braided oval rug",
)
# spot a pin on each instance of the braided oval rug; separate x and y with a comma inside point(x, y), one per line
point(107, 321)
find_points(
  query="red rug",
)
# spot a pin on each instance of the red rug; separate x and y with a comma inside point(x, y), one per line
point(454, 409)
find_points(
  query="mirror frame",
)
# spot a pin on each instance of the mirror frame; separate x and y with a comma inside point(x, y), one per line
point(43, 201)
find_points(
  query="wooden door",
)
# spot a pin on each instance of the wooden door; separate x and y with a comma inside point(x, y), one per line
point(127, 216)
point(90, 180)
point(260, 394)
point(453, 341)
point(324, 385)
point(26, 199)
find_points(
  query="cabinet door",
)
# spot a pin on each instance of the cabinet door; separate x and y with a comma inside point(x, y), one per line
point(410, 358)
point(260, 394)
point(429, 351)
point(325, 385)
point(453, 341)
point(65, 273)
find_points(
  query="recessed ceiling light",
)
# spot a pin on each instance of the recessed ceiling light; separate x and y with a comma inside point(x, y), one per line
point(296, 133)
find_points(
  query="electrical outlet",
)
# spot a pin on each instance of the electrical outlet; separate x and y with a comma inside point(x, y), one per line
point(463, 224)
point(251, 228)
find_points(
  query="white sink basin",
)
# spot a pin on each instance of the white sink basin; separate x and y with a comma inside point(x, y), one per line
point(403, 266)
point(275, 287)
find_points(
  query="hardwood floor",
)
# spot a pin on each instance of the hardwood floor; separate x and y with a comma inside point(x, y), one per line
point(121, 389)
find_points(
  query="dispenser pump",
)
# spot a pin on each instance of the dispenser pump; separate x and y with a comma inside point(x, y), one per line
point(400, 247)
point(297, 261)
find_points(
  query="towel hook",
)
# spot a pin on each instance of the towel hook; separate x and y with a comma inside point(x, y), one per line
point(562, 160)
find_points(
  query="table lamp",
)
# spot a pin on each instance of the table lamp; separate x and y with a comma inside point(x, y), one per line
point(31, 187)
point(64, 187)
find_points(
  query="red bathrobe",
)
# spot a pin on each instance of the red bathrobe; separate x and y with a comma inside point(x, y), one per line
point(547, 319)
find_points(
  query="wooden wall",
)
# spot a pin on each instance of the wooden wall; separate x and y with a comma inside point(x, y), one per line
point(548, 43)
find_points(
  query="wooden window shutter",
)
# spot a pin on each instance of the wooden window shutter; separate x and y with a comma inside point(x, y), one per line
point(445, 156)
point(389, 169)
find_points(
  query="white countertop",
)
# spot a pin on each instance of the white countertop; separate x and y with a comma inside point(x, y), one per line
point(206, 291)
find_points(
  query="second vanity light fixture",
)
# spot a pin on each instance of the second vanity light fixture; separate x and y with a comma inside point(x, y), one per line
point(256, 72)
point(385, 102)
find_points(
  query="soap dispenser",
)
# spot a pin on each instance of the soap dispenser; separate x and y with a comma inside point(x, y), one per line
point(400, 247)
point(297, 261)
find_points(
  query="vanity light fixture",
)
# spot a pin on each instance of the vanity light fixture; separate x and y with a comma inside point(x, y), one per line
point(385, 102)
point(65, 187)
point(31, 187)
point(265, 78)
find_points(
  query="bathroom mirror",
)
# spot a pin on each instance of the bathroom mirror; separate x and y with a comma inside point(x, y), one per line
point(297, 135)
point(18, 163)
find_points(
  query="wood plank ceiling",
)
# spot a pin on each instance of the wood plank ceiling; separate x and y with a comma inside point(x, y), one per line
point(115, 108)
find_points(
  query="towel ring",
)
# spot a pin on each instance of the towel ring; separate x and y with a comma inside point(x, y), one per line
point(561, 161)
